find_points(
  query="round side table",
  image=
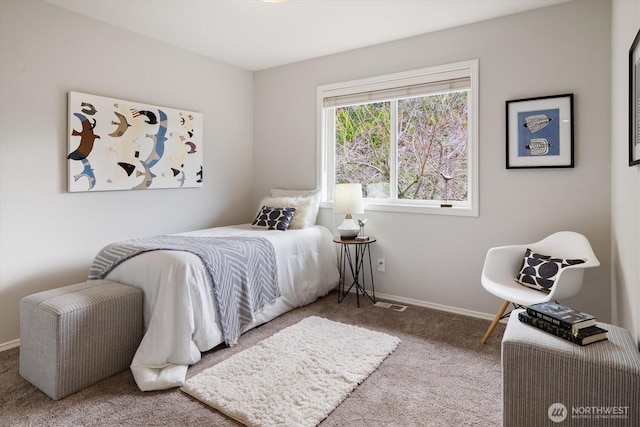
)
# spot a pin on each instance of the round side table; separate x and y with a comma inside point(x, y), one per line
point(354, 251)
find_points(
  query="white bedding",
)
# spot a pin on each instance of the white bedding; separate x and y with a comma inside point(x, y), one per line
point(179, 313)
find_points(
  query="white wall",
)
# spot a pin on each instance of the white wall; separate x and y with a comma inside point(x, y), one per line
point(625, 194)
point(438, 259)
point(48, 237)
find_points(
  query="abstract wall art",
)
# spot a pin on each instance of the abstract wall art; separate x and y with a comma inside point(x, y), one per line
point(540, 132)
point(634, 102)
point(125, 145)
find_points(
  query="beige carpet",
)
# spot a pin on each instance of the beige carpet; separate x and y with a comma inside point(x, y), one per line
point(441, 375)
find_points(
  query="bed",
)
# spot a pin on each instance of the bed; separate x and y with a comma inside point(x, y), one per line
point(180, 315)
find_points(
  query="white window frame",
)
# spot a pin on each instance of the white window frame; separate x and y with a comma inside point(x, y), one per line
point(325, 149)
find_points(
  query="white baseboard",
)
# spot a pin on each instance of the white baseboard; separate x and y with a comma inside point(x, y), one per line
point(9, 345)
point(435, 306)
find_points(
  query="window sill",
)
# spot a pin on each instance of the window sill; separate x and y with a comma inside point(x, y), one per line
point(414, 209)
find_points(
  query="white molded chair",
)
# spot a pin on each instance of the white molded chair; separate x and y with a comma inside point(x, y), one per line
point(503, 263)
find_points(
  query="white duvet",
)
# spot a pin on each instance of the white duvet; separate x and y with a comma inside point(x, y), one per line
point(180, 317)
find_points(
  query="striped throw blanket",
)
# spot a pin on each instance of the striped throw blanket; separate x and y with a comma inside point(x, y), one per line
point(243, 272)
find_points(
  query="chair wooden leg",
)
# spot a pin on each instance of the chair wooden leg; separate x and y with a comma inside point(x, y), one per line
point(495, 321)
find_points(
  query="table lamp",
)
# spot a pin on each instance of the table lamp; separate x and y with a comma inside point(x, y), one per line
point(348, 200)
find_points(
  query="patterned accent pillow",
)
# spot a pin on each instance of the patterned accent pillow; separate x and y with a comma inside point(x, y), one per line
point(540, 271)
point(274, 218)
point(304, 216)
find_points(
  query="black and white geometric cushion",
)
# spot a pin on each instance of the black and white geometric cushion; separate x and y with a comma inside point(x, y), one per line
point(540, 271)
point(274, 218)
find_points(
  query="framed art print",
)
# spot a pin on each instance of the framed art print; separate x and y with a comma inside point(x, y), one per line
point(540, 132)
point(126, 145)
point(634, 102)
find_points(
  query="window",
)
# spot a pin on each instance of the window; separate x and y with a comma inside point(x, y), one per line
point(410, 139)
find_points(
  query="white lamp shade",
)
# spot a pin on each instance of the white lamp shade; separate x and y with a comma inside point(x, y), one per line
point(348, 199)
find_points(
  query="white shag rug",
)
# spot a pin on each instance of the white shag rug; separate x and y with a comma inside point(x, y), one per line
point(295, 377)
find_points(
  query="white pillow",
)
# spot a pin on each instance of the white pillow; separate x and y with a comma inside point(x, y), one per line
point(315, 194)
point(277, 192)
point(304, 216)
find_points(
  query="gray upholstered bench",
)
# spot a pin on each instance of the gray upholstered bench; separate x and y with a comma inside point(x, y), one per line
point(77, 335)
point(548, 381)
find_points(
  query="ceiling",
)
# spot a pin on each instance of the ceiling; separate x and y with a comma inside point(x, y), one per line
point(255, 35)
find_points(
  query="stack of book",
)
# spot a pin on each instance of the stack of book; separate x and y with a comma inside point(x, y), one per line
point(563, 322)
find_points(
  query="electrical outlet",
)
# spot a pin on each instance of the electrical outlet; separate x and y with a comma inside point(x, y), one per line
point(382, 266)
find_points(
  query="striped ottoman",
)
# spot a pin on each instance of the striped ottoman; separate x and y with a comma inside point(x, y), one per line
point(548, 381)
point(77, 335)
